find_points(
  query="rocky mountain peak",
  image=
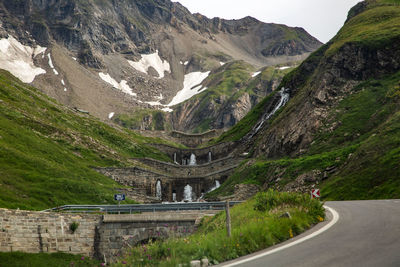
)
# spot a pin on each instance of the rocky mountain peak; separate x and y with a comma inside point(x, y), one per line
point(139, 54)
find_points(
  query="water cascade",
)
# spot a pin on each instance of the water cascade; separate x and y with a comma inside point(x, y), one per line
point(158, 190)
point(192, 161)
point(209, 157)
point(174, 197)
point(217, 185)
point(284, 93)
point(175, 159)
point(187, 194)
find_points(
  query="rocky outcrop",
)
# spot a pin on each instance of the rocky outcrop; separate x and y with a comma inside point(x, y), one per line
point(220, 107)
point(330, 78)
point(103, 35)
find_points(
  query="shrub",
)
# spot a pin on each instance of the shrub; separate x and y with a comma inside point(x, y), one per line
point(73, 226)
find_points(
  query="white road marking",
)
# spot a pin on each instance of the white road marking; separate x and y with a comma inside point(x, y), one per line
point(323, 229)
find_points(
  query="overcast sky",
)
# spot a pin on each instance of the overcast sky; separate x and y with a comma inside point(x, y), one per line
point(320, 18)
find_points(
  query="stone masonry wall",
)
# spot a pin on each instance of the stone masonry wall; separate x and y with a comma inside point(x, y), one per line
point(100, 236)
point(193, 140)
point(33, 232)
point(140, 178)
point(195, 170)
point(123, 231)
point(202, 154)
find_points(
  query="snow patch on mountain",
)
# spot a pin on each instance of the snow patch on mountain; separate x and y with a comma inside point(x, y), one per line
point(255, 74)
point(167, 109)
point(51, 64)
point(123, 85)
point(151, 60)
point(191, 86)
point(18, 59)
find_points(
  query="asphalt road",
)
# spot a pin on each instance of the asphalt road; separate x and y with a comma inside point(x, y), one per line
point(366, 233)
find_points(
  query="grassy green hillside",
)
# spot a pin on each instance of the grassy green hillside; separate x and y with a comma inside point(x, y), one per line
point(360, 137)
point(47, 150)
point(149, 119)
point(365, 149)
point(256, 225)
point(374, 27)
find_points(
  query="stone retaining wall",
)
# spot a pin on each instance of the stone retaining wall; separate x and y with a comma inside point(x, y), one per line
point(193, 140)
point(100, 236)
point(181, 155)
point(141, 178)
point(34, 232)
point(185, 170)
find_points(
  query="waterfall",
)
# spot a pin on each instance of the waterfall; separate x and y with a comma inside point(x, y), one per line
point(217, 185)
point(284, 93)
point(192, 159)
point(158, 190)
point(175, 159)
point(174, 197)
point(187, 193)
point(209, 157)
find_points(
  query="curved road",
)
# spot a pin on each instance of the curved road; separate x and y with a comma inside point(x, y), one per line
point(367, 233)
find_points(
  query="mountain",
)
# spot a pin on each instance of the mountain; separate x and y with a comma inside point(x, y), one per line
point(334, 121)
point(115, 57)
point(47, 150)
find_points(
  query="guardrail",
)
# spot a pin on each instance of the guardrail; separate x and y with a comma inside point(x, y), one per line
point(142, 207)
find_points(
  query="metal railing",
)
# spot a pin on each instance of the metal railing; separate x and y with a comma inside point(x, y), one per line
point(135, 208)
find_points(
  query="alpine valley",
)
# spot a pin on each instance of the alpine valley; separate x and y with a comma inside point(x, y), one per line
point(144, 98)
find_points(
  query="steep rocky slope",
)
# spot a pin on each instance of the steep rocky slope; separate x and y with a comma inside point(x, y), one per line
point(226, 96)
point(112, 57)
point(340, 128)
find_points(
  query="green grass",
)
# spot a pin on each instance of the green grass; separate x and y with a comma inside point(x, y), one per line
point(363, 146)
point(19, 259)
point(47, 151)
point(245, 125)
point(373, 171)
point(239, 130)
point(375, 27)
point(256, 224)
point(360, 136)
point(140, 117)
point(264, 172)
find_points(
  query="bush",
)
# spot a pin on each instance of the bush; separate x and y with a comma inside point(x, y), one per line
point(266, 201)
point(73, 226)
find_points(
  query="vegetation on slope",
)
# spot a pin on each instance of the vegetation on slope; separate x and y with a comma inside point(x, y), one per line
point(359, 139)
point(244, 126)
point(375, 27)
point(256, 224)
point(144, 119)
point(47, 151)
